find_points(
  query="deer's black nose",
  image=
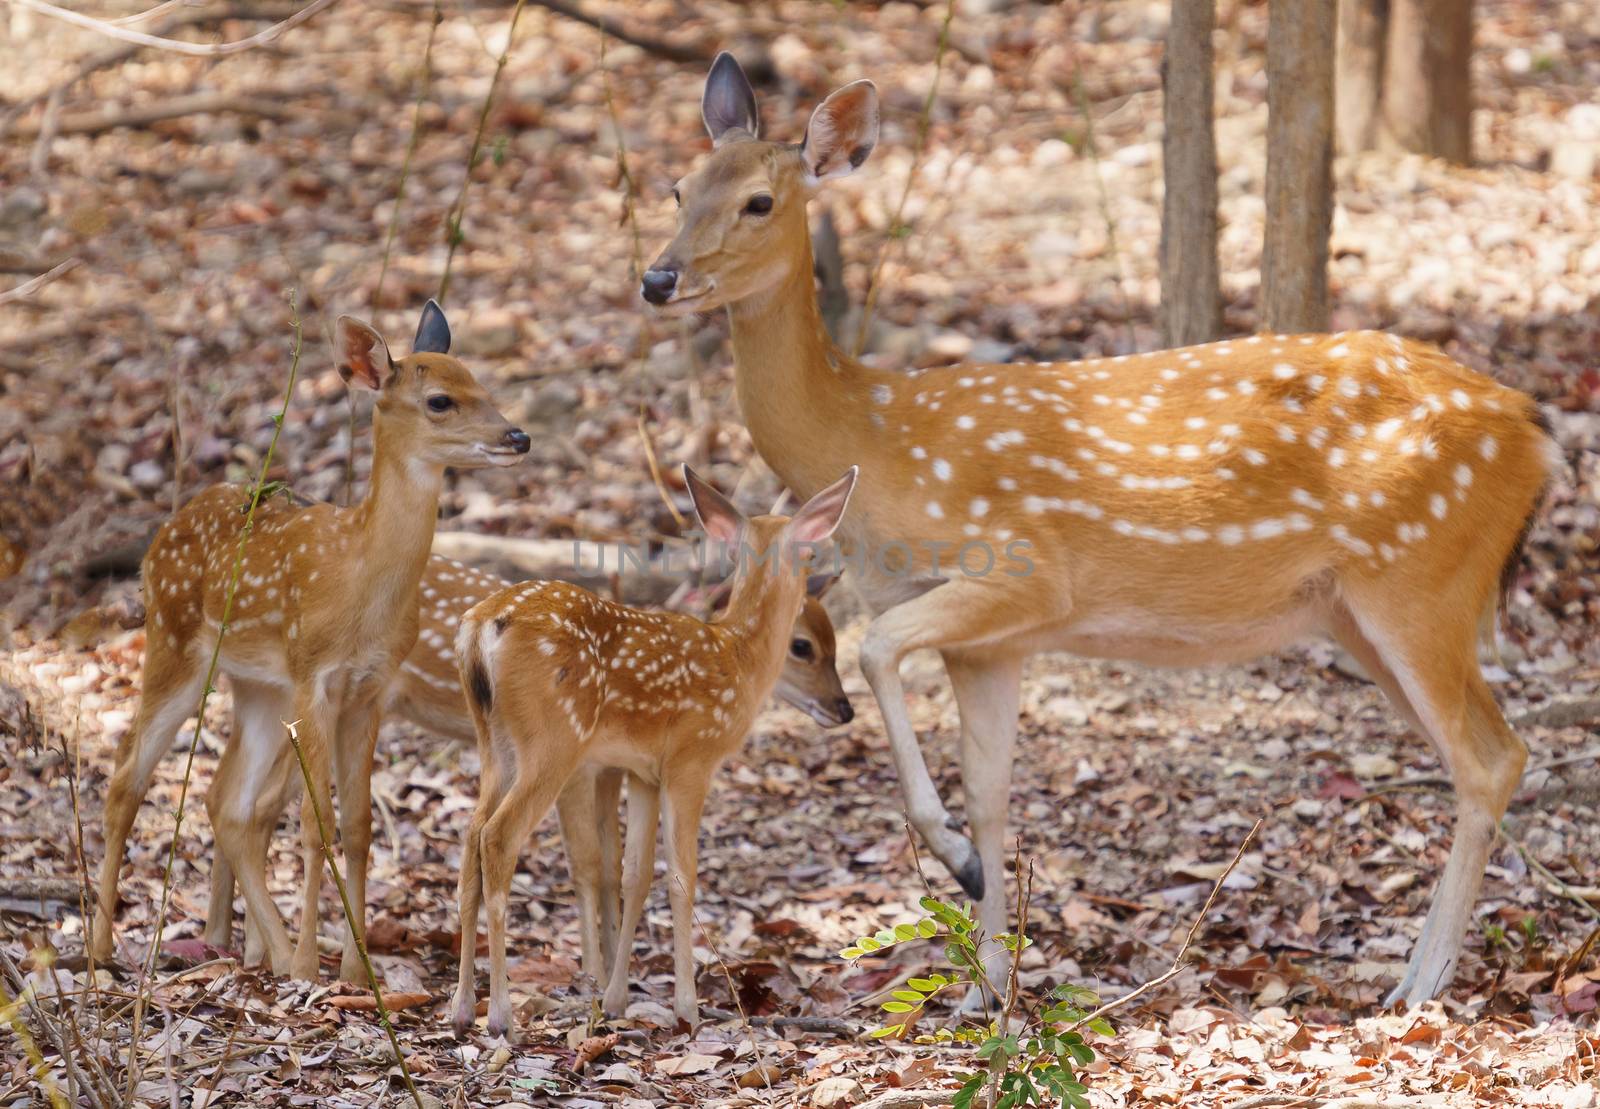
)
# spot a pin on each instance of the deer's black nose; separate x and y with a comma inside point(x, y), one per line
point(843, 711)
point(657, 285)
point(518, 440)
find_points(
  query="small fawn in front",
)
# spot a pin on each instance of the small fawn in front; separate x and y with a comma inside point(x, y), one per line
point(1181, 507)
point(427, 692)
point(556, 677)
point(326, 609)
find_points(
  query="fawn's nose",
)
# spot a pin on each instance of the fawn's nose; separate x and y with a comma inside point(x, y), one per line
point(657, 285)
point(843, 710)
point(518, 440)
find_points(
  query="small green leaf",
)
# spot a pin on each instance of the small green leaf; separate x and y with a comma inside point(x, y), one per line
point(886, 1030)
point(898, 1007)
point(851, 953)
point(909, 995)
point(1101, 1026)
point(904, 932)
point(868, 944)
point(927, 929)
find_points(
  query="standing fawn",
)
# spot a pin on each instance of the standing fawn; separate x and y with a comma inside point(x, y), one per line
point(556, 677)
point(1182, 507)
point(427, 692)
point(325, 611)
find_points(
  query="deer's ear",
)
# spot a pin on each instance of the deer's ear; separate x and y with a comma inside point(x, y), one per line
point(842, 132)
point(720, 520)
point(728, 105)
point(363, 356)
point(433, 331)
point(817, 585)
point(819, 516)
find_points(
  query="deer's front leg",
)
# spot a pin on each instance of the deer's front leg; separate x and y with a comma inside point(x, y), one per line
point(987, 689)
point(317, 720)
point(948, 616)
point(353, 750)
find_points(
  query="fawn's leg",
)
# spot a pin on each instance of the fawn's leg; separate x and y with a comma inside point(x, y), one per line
point(494, 777)
point(352, 754)
point(638, 867)
point(169, 693)
point(576, 809)
point(685, 798)
point(543, 767)
point(317, 719)
point(250, 771)
point(608, 787)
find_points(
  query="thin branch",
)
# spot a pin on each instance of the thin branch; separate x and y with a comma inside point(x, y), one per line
point(897, 230)
point(1547, 874)
point(669, 50)
point(655, 473)
point(28, 288)
point(148, 967)
point(255, 102)
point(349, 912)
point(452, 223)
point(1179, 964)
point(177, 46)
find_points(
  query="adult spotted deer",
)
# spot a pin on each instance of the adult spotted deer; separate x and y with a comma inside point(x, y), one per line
point(427, 691)
point(1182, 507)
point(326, 609)
point(557, 678)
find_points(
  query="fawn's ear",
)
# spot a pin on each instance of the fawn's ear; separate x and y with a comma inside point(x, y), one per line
point(817, 585)
point(719, 519)
point(433, 331)
point(842, 132)
point(363, 356)
point(728, 105)
point(819, 516)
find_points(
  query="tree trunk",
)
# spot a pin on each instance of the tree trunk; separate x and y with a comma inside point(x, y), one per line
point(1427, 78)
point(1294, 260)
point(1191, 290)
point(1358, 91)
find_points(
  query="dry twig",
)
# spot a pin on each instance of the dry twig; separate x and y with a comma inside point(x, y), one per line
point(28, 288)
point(177, 46)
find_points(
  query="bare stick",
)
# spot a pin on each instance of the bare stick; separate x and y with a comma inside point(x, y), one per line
point(178, 46)
point(147, 968)
point(28, 288)
point(655, 472)
point(261, 102)
point(1179, 964)
point(9, 1013)
point(670, 51)
point(895, 227)
point(349, 913)
point(452, 222)
point(1547, 874)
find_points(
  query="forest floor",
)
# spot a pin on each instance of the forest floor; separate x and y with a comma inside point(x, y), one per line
point(152, 367)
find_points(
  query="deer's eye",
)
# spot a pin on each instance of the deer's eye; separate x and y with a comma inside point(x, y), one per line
point(758, 205)
point(802, 650)
point(440, 403)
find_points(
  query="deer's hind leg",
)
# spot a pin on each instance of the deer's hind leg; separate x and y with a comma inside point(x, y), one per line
point(1427, 664)
point(169, 694)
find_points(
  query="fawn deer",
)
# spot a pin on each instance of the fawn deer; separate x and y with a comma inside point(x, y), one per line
point(427, 692)
point(326, 609)
point(1181, 507)
point(556, 677)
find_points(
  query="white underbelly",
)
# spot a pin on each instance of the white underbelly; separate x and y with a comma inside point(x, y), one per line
point(1158, 639)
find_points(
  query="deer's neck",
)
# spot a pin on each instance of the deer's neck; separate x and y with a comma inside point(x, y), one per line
point(761, 612)
point(394, 524)
point(805, 402)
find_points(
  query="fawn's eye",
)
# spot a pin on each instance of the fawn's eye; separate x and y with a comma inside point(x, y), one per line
point(440, 403)
point(758, 205)
point(802, 650)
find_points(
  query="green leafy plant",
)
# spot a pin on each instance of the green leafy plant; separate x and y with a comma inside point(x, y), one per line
point(1039, 1064)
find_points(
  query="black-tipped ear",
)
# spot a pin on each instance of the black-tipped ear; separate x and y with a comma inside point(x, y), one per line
point(433, 333)
point(729, 103)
